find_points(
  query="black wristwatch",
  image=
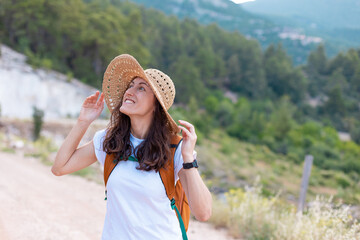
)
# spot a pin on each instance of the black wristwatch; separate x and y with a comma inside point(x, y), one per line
point(190, 165)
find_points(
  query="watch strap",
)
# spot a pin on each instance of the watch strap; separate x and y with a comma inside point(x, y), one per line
point(190, 165)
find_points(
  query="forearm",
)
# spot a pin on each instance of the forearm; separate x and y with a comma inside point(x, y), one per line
point(69, 145)
point(199, 196)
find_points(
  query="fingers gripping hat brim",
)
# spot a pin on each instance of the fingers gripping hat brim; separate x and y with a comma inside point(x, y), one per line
point(122, 70)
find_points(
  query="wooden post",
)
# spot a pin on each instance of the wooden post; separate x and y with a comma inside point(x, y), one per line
point(305, 181)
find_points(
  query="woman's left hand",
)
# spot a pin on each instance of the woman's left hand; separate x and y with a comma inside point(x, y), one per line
point(189, 140)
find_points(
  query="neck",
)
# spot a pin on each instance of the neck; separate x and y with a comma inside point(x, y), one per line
point(140, 127)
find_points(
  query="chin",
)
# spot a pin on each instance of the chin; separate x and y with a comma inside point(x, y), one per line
point(126, 111)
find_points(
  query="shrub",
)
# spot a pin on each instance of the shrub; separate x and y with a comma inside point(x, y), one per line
point(249, 215)
point(69, 76)
point(343, 181)
point(46, 63)
point(38, 121)
point(355, 134)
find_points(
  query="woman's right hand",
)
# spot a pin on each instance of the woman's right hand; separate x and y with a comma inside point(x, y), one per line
point(91, 108)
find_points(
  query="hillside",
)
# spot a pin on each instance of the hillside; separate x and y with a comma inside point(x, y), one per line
point(320, 14)
point(336, 22)
point(299, 25)
point(233, 17)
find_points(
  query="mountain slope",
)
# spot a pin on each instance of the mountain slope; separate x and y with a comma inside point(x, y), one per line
point(271, 22)
point(325, 13)
point(335, 21)
point(225, 13)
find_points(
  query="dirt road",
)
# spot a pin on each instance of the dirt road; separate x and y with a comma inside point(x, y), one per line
point(34, 204)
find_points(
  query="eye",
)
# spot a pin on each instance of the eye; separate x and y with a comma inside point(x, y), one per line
point(142, 88)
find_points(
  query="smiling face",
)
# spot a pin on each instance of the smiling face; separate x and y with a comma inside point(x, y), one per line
point(139, 99)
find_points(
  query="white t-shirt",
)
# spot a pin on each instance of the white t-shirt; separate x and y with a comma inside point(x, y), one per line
point(137, 204)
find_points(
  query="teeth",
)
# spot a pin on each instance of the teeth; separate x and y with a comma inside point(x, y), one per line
point(129, 101)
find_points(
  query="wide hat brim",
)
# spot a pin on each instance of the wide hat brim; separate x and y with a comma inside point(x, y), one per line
point(122, 70)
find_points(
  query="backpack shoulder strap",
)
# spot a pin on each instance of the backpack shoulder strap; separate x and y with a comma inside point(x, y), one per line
point(167, 172)
point(109, 166)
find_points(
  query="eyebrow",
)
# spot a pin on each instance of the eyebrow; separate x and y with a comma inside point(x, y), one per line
point(132, 82)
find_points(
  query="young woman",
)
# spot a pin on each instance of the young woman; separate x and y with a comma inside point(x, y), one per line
point(140, 127)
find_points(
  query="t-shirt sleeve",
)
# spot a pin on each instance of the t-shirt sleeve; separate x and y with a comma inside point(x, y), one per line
point(98, 141)
point(178, 161)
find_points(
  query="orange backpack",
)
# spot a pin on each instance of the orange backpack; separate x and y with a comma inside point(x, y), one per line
point(174, 192)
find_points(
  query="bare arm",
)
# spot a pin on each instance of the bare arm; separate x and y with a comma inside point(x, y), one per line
point(199, 196)
point(200, 199)
point(70, 158)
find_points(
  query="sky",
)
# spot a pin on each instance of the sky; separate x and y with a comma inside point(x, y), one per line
point(241, 1)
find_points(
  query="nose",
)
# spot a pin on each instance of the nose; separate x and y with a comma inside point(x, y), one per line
point(129, 92)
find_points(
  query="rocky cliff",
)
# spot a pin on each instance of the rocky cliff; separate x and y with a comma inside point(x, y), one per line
point(22, 87)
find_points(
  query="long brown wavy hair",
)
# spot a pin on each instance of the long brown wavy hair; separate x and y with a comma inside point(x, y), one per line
point(152, 153)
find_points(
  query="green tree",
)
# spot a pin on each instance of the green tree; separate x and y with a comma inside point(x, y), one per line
point(317, 61)
point(336, 103)
point(224, 113)
point(248, 124)
point(187, 80)
point(211, 104)
point(205, 60)
point(355, 83)
point(282, 78)
point(337, 80)
point(281, 119)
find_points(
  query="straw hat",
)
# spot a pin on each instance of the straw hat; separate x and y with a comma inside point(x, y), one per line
point(123, 69)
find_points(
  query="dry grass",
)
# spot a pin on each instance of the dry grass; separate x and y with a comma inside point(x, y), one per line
point(249, 215)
